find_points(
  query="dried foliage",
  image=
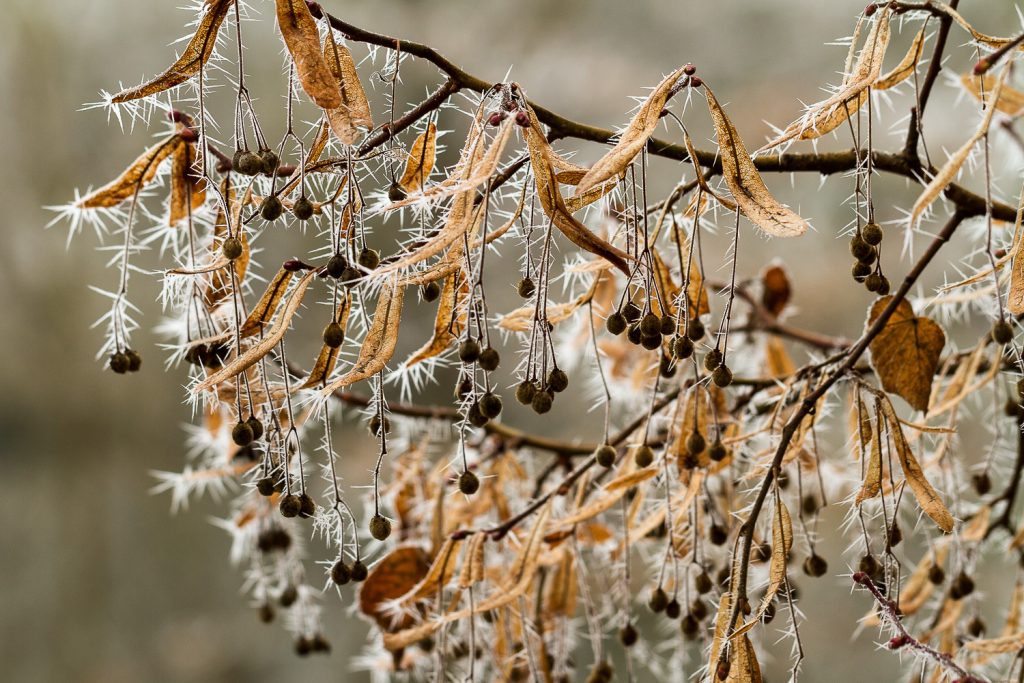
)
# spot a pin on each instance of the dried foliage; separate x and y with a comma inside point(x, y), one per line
point(483, 551)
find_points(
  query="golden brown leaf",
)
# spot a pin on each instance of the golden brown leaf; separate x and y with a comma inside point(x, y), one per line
point(390, 578)
point(268, 303)
point(134, 178)
point(745, 183)
point(354, 111)
point(782, 543)
point(184, 184)
point(380, 341)
point(926, 496)
point(995, 646)
point(441, 571)
point(905, 68)
point(196, 54)
point(872, 485)
point(775, 289)
point(905, 354)
point(298, 28)
point(450, 320)
point(1011, 100)
point(633, 139)
point(420, 162)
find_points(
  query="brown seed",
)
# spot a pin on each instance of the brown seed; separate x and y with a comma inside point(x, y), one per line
point(380, 527)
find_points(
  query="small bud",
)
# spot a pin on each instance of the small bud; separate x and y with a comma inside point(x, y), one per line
point(522, 119)
point(496, 118)
point(689, 69)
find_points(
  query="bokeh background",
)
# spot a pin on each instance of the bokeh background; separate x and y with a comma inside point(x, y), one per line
point(98, 582)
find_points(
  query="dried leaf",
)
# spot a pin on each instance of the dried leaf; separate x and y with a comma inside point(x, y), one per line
point(777, 360)
point(926, 496)
point(441, 571)
point(521, 319)
point(905, 68)
point(298, 28)
point(379, 344)
point(1010, 102)
point(134, 178)
point(721, 627)
point(743, 666)
point(268, 303)
point(196, 54)
point(872, 485)
point(473, 563)
point(420, 162)
point(701, 180)
point(554, 205)
point(745, 183)
point(633, 139)
point(905, 354)
point(185, 184)
point(994, 646)
point(253, 354)
point(354, 112)
point(775, 289)
point(390, 578)
point(450, 320)
point(990, 41)
point(782, 543)
point(328, 357)
point(949, 170)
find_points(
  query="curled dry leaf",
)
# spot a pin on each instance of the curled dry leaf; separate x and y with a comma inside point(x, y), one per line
point(1010, 102)
point(925, 494)
point(353, 113)
point(268, 303)
point(775, 289)
point(450, 320)
point(441, 571)
point(995, 646)
point(253, 354)
point(872, 485)
point(988, 40)
point(745, 183)
point(702, 181)
point(951, 168)
point(389, 579)
point(380, 341)
point(905, 68)
point(827, 115)
point(1015, 296)
point(782, 544)
point(633, 139)
point(905, 354)
point(328, 357)
point(196, 54)
point(185, 184)
point(134, 178)
point(298, 28)
point(743, 665)
point(420, 162)
point(554, 205)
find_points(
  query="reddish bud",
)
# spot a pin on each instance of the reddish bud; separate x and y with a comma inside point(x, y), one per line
point(981, 66)
point(870, 9)
point(188, 135)
point(523, 119)
point(496, 118)
point(896, 642)
point(696, 82)
point(860, 577)
point(689, 69)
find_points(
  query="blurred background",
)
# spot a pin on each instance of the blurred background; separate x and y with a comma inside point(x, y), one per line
point(98, 581)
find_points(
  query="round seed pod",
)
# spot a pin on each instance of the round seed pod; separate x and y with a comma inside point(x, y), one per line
point(232, 248)
point(643, 456)
point(873, 282)
point(430, 292)
point(718, 535)
point(249, 163)
point(895, 535)
point(290, 505)
point(271, 209)
point(699, 609)
point(695, 329)
point(368, 258)
point(469, 350)
point(689, 627)
point(334, 335)
point(722, 669)
point(265, 486)
point(490, 405)
point(396, 192)
point(666, 367)
point(605, 455)
point(860, 271)
point(464, 388)
point(320, 644)
point(870, 256)
point(628, 635)
point(288, 596)
point(722, 376)
point(962, 586)
point(469, 483)
point(673, 609)
point(682, 348)
point(695, 443)
point(340, 573)
point(712, 359)
point(380, 527)
point(215, 355)
point(266, 613)
point(195, 354)
point(526, 287)
point(982, 483)
point(668, 325)
point(542, 401)
point(702, 583)
point(489, 359)
point(658, 600)
point(269, 161)
point(1002, 333)
point(633, 334)
point(558, 381)
point(134, 360)
point(525, 392)
point(650, 324)
point(717, 452)
point(119, 362)
point(307, 508)
point(650, 341)
point(976, 627)
point(631, 312)
point(303, 646)
point(868, 564)
point(236, 158)
point(859, 248)
point(241, 434)
point(883, 286)
point(256, 426)
point(615, 323)
point(476, 416)
point(359, 571)
point(302, 209)
point(336, 266)
point(522, 119)
point(936, 575)
point(872, 234)
point(495, 118)
point(815, 565)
